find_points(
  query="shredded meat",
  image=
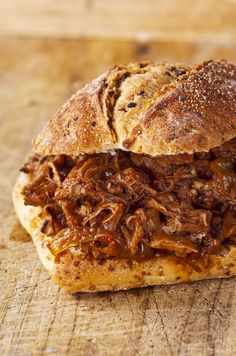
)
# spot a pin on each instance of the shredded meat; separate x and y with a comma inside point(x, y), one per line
point(135, 206)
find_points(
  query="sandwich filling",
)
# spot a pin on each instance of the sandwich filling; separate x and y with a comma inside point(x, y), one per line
point(133, 206)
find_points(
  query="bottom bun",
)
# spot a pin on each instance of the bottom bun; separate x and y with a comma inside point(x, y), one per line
point(75, 273)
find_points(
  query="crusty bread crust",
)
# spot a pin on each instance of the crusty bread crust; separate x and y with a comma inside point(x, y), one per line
point(75, 273)
point(147, 108)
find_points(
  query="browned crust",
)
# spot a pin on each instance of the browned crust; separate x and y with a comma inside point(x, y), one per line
point(74, 273)
point(149, 108)
point(194, 114)
point(79, 126)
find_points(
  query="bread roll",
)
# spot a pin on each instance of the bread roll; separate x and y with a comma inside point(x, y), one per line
point(150, 109)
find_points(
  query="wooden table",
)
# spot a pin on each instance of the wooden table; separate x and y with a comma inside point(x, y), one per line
point(38, 318)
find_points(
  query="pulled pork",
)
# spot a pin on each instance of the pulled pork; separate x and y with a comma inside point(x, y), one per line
point(135, 206)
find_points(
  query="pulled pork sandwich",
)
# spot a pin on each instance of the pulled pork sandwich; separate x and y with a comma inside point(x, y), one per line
point(133, 181)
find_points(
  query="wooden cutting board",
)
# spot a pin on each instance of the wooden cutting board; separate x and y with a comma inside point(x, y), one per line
point(38, 318)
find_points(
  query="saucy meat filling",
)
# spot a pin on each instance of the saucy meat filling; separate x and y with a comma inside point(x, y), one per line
point(133, 206)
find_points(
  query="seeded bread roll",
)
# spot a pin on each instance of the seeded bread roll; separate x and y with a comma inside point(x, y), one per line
point(148, 108)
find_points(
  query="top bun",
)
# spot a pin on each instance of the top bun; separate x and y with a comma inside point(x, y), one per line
point(150, 108)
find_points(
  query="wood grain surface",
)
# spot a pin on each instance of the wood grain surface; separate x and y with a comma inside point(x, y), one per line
point(36, 317)
point(156, 19)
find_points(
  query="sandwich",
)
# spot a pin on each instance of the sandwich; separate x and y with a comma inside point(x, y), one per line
point(133, 181)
